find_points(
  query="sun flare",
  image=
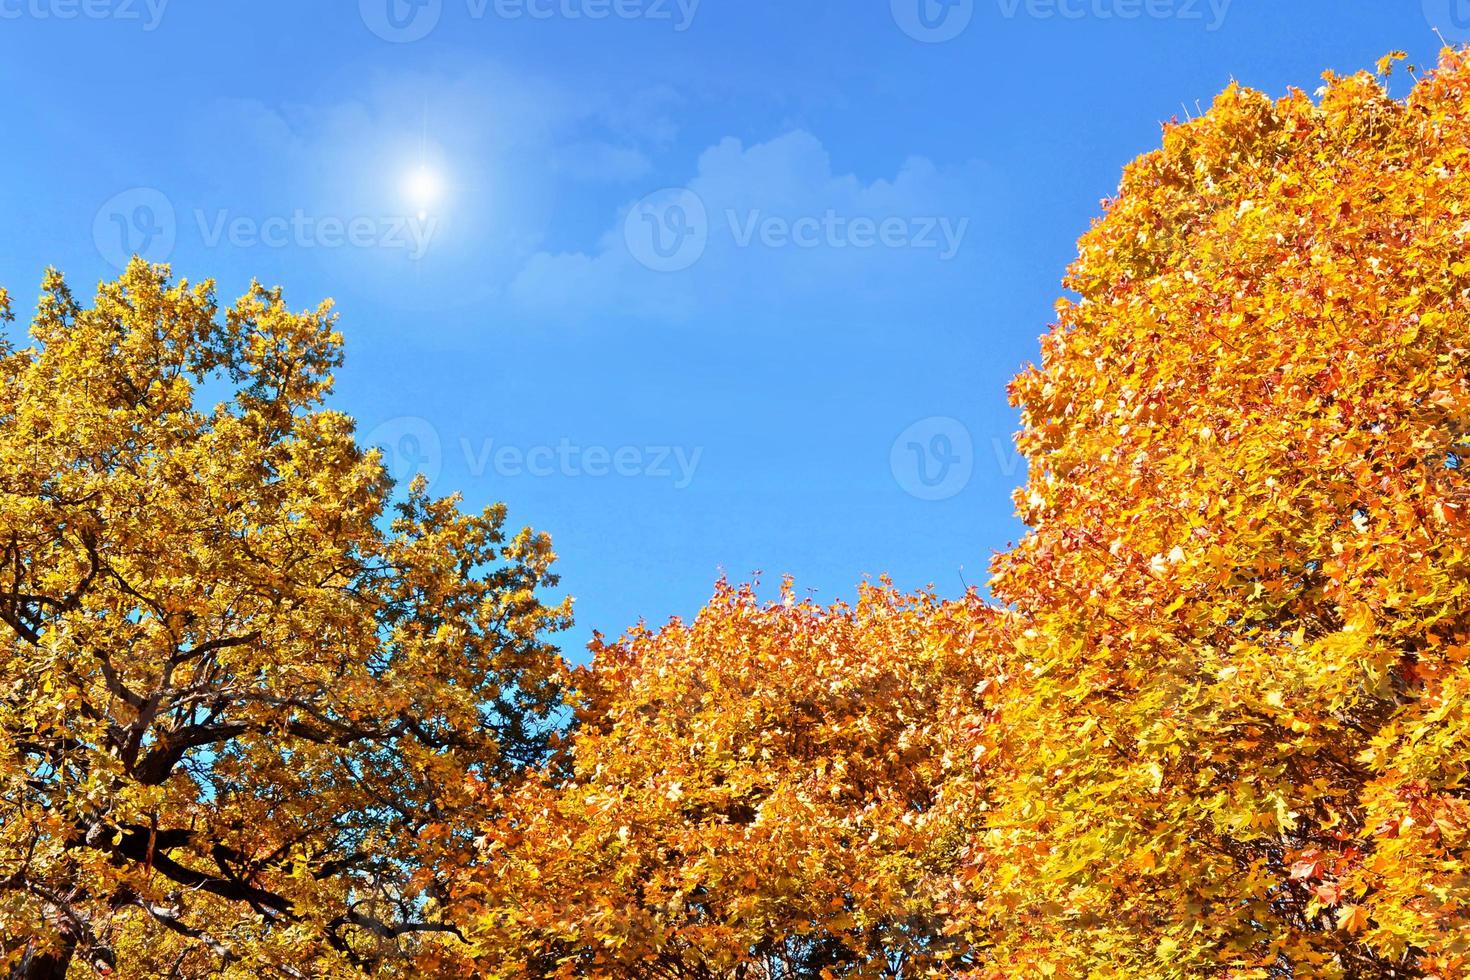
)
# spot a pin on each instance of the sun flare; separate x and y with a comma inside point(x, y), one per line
point(423, 188)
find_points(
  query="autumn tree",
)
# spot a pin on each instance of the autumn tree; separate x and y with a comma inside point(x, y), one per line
point(247, 705)
point(1241, 738)
point(769, 791)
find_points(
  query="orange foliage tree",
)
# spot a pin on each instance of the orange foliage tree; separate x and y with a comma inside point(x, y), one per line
point(1243, 633)
point(769, 791)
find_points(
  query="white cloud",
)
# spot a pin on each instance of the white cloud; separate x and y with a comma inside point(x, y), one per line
point(777, 227)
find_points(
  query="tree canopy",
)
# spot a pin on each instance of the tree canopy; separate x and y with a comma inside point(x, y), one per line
point(246, 708)
point(773, 791)
point(1241, 606)
point(261, 716)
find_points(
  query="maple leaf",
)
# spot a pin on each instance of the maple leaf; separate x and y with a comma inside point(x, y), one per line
point(1352, 919)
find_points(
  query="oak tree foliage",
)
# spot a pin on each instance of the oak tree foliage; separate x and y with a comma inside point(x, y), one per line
point(246, 703)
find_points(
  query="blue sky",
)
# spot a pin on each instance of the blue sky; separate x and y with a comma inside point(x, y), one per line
point(694, 286)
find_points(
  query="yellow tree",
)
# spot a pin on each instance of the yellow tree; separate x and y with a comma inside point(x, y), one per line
point(771, 791)
point(246, 706)
point(1243, 735)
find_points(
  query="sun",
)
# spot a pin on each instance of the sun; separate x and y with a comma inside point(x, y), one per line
point(423, 188)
